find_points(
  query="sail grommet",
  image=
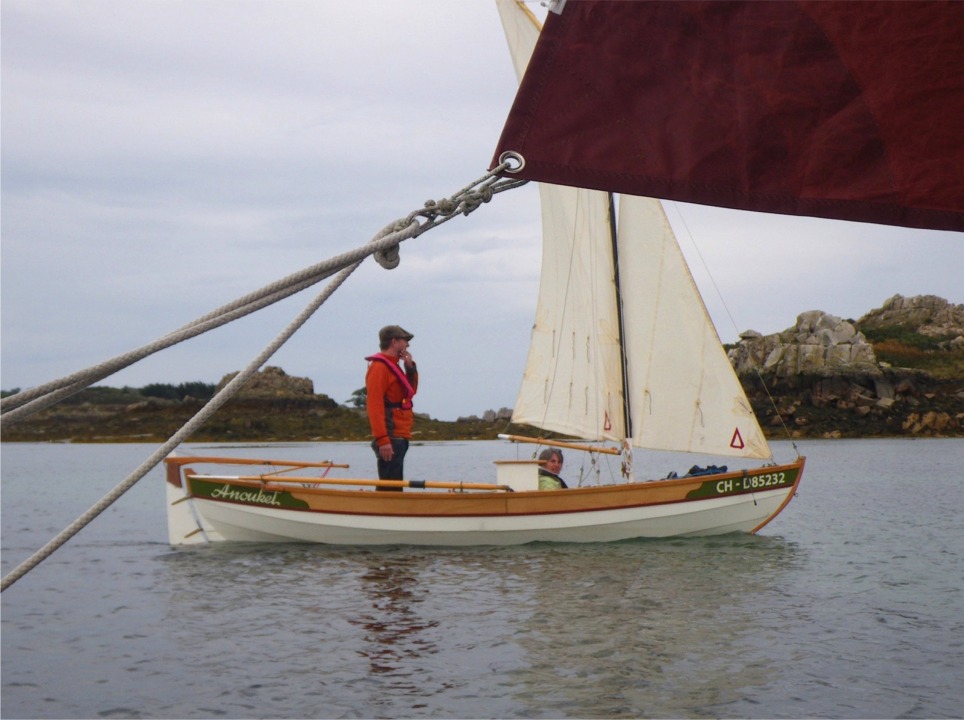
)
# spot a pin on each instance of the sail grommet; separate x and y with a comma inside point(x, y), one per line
point(513, 160)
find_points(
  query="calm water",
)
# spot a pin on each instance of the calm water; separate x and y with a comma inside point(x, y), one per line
point(849, 605)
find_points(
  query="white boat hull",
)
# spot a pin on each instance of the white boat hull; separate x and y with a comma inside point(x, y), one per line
point(707, 517)
point(214, 508)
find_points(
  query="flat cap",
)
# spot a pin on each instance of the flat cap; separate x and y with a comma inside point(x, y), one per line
point(393, 331)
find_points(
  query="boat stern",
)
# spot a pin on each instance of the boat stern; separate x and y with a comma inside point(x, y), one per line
point(185, 526)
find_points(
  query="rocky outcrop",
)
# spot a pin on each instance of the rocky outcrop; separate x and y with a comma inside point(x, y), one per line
point(272, 383)
point(821, 377)
point(928, 315)
point(824, 377)
point(819, 344)
point(935, 422)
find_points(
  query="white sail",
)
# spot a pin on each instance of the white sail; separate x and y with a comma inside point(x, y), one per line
point(521, 29)
point(573, 379)
point(684, 393)
point(572, 382)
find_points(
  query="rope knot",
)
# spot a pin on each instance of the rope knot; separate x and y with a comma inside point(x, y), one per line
point(388, 258)
point(445, 206)
point(473, 200)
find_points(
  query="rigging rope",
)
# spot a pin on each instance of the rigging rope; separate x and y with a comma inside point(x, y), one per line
point(23, 404)
point(384, 246)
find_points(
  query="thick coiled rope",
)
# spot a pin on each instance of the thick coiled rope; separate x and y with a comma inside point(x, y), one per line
point(384, 246)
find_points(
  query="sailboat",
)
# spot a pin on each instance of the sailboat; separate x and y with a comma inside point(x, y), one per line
point(840, 110)
point(623, 355)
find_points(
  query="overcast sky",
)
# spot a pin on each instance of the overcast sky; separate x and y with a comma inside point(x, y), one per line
point(162, 158)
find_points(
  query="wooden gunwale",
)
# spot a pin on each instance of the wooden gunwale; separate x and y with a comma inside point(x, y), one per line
point(482, 504)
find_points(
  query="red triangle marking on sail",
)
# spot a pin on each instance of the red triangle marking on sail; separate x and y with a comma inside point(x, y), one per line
point(737, 440)
point(607, 423)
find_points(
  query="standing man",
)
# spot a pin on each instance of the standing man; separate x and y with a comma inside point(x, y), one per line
point(389, 391)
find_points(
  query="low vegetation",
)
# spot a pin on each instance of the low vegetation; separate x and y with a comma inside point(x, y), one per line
point(924, 372)
point(900, 347)
point(155, 412)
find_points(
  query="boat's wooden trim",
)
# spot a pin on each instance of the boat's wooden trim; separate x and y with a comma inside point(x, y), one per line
point(454, 504)
point(302, 481)
point(172, 472)
point(271, 508)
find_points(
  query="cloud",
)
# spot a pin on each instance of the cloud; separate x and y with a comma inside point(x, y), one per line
point(162, 159)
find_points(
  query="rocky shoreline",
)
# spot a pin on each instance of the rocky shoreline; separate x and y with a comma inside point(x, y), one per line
point(896, 372)
point(823, 377)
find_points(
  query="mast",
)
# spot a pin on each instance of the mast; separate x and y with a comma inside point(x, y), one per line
point(627, 415)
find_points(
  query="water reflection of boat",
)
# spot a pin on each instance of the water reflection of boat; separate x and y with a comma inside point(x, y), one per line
point(698, 622)
point(394, 629)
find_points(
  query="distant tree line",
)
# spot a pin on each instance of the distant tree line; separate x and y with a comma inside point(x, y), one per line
point(100, 395)
point(197, 390)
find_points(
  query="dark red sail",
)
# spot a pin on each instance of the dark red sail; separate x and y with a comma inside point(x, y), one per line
point(846, 110)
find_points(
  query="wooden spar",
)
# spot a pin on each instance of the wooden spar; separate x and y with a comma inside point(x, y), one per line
point(175, 460)
point(436, 484)
point(559, 443)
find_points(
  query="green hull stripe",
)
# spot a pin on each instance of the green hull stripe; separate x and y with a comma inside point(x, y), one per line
point(757, 482)
point(245, 495)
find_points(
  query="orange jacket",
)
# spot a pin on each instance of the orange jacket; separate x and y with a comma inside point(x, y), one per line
point(382, 386)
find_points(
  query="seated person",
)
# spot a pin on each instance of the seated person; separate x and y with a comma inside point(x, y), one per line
point(549, 471)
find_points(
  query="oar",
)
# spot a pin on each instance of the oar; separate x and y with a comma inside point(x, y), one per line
point(559, 443)
point(419, 484)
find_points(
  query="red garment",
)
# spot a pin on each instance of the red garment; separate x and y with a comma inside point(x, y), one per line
point(382, 386)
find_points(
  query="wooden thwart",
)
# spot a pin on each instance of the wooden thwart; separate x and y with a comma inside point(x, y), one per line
point(416, 484)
